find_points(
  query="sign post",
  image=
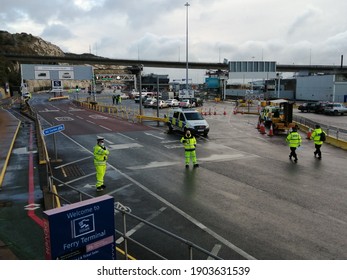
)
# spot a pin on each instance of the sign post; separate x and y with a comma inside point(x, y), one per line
point(53, 130)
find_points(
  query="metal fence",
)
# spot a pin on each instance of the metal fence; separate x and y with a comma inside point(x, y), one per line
point(333, 131)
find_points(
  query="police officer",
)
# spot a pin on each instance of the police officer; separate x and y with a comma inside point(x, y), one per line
point(294, 141)
point(100, 158)
point(189, 143)
point(315, 136)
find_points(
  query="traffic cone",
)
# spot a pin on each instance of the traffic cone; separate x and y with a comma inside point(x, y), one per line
point(224, 113)
point(258, 125)
point(214, 113)
point(309, 133)
point(209, 111)
point(262, 128)
point(235, 111)
point(271, 132)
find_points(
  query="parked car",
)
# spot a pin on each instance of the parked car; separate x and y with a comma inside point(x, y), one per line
point(308, 107)
point(149, 102)
point(335, 109)
point(161, 104)
point(172, 102)
point(186, 103)
point(320, 107)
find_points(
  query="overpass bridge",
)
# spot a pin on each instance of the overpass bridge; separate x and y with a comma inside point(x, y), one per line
point(93, 60)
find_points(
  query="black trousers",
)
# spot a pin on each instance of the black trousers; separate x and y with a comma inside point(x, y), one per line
point(317, 151)
point(293, 153)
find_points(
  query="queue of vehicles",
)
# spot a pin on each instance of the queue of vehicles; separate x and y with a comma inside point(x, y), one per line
point(322, 107)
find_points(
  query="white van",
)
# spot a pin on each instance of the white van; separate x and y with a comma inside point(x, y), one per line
point(183, 119)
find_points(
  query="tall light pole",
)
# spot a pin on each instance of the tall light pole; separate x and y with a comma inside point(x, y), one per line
point(187, 5)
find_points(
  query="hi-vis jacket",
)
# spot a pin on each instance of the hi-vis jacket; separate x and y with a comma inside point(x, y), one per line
point(315, 136)
point(294, 139)
point(100, 155)
point(189, 143)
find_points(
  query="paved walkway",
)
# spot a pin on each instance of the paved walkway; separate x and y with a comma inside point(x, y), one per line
point(9, 126)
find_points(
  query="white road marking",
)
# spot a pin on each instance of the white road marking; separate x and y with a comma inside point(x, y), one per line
point(22, 151)
point(174, 146)
point(64, 119)
point(140, 225)
point(104, 127)
point(77, 179)
point(150, 134)
point(153, 164)
point(71, 109)
point(48, 111)
point(126, 136)
point(125, 146)
point(98, 117)
point(72, 162)
point(32, 206)
point(225, 157)
point(120, 189)
point(90, 122)
point(80, 117)
point(215, 250)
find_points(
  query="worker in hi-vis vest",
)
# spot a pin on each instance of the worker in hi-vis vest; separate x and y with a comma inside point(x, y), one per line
point(189, 143)
point(100, 158)
point(294, 140)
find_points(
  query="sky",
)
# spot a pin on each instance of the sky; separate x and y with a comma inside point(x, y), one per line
point(288, 32)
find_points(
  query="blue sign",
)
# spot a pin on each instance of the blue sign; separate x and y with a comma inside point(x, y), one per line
point(53, 129)
point(81, 231)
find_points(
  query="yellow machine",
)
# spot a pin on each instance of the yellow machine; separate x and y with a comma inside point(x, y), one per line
point(279, 114)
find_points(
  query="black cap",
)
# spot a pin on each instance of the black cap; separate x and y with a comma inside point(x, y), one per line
point(317, 126)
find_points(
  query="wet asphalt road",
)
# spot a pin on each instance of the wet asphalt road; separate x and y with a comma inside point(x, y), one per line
point(247, 200)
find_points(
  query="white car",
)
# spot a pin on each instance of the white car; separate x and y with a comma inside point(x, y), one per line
point(172, 102)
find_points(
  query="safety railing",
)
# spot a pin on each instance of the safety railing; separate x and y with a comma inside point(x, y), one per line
point(124, 233)
point(333, 131)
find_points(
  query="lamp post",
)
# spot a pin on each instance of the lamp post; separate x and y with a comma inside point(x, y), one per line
point(187, 5)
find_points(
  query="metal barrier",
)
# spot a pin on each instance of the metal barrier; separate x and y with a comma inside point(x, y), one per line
point(336, 132)
point(125, 234)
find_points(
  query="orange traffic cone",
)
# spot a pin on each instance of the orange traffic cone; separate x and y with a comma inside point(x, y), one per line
point(262, 128)
point(258, 125)
point(224, 113)
point(271, 132)
point(309, 133)
point(235, 111)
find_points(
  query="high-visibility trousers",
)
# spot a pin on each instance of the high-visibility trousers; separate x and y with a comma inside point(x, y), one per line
point(100, 173)
point(190, 155)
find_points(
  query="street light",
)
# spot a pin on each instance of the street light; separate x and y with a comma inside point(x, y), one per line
point(187, 5)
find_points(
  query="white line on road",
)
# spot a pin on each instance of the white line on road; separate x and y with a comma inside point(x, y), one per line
point(90, 122)
point(120, 189)
point(72, 162)
point(215, 250)
point(140, 225)
point(105, 127)
point(126, 136)
point(150, 134)
point(125, 146)
point(153, 164)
